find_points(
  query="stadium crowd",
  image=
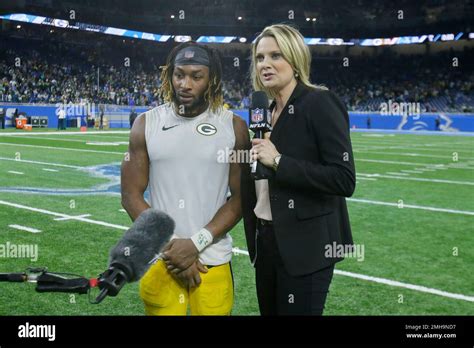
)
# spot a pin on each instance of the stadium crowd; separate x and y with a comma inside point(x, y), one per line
point(58, 72)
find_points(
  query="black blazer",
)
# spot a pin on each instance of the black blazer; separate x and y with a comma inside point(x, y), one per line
point(315, 173)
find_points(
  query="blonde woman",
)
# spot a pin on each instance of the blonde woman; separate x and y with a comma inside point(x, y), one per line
point(294, 220)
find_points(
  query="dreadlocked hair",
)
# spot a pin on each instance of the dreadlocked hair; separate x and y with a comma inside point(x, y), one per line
point(213, 94)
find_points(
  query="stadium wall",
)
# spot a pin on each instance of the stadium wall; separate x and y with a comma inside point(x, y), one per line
point(118, 117)
point(423, 122)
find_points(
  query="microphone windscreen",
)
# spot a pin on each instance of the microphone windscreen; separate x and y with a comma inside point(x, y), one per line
point(142, 242)
point(259, 100)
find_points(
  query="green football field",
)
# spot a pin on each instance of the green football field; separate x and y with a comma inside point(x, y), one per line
point(412, 213)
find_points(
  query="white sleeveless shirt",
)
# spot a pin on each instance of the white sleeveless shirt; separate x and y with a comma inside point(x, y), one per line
point(187, 178)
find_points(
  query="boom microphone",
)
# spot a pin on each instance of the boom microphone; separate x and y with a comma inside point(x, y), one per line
point(259, 123)
point(133, 255)
point(128, 260)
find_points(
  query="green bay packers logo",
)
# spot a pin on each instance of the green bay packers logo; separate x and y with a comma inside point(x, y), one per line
point(206, 129)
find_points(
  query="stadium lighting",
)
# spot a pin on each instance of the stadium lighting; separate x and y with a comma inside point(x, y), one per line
point(243, 40)
point(239, 18)
point(398, 40)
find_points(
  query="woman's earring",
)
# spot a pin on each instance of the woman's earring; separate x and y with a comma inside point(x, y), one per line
point(296, 75)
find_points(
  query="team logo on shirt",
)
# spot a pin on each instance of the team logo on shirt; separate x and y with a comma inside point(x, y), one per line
point(206, 129)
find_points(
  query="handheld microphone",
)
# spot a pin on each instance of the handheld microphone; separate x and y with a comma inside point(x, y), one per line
point(259, 123)
point(135, 252)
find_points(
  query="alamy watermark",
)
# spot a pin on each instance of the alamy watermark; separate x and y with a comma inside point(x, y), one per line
point(19, 251)
point(400, 109)
point(355, 251)
point(228, 155)
point(76, 109)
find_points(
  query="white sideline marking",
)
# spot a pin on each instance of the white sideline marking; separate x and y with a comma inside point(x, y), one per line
point(14, 172)
point(50, 170)
point(45, 163)
point(244, 252)
point(24, 228)
point(411, 171)
point(408, 147)
point(443, 181)
point(64, 148)
point(72, 217)
point(369, 175)
point(66, 133)
point(406, 285)
point(363, 178)
point(122, 210)
point(452, 211)
point(124, 139)
point(407, 154)
point(392, 162)
point(388, 282)
point(47, 212)
point(55, 139)
point(104, 143)
point(412, 163)
point(393, 173)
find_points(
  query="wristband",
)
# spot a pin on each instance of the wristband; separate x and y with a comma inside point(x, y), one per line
point(202, 239)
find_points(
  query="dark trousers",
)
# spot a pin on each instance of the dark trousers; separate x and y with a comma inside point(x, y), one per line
point(280, 293)
point(2, 122)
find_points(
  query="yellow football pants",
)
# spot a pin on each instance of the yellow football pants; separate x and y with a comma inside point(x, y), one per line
point(163, 295)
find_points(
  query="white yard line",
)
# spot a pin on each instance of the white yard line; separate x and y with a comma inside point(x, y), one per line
point(440, 181)
point(430, 165)
point(411, 171)
point(405, 285)
point(392, 173)
point(411, 206)
point(69, 217)
point(412, 148)
point(24, 228)
point(420, 147)
point(50, 170)
point(15, 172)
point(425, 169)
point(244, 252)
point(64, 148)
point(43, 163)
point(399, 142)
